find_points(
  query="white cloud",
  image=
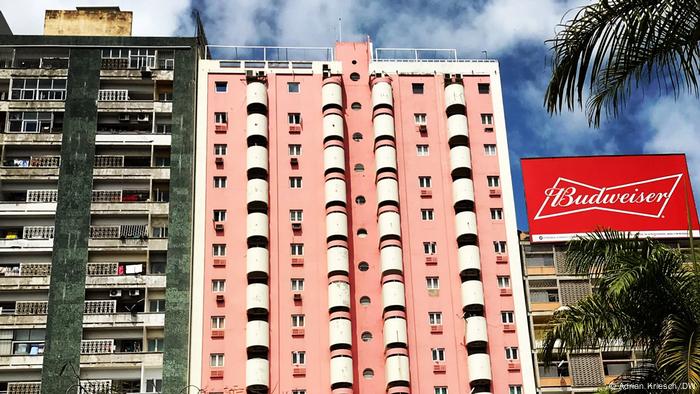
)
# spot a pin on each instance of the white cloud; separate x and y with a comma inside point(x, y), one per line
point(151, 17)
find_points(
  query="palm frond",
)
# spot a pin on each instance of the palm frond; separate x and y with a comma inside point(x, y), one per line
point(614, 46)
point(679, 353)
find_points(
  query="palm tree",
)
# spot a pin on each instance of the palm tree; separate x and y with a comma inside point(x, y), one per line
point(644, 296)
point(613, 46)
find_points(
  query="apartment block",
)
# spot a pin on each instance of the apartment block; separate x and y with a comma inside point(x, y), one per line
point(97, 156)
point(357, 228)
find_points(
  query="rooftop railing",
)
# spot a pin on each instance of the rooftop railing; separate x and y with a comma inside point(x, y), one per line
point(265, 53)
point(421, 55)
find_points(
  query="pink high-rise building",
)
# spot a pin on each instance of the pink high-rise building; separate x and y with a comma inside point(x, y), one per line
point(355, 226)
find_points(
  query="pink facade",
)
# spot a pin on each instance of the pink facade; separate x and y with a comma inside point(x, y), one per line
point(369, 287)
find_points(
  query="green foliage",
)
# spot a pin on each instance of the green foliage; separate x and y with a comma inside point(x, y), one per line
point(612, 46)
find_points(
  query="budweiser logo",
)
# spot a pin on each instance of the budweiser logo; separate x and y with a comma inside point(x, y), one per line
point(643, 198)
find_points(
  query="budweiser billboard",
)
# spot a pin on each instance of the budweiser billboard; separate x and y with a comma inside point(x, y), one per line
point(646, 194)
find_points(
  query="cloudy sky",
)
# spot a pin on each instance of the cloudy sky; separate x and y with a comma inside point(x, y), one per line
point(512, 31)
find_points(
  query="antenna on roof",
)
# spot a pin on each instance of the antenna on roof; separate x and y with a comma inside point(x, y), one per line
point(340, 29)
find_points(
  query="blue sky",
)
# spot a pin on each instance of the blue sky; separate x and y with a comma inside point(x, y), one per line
point(512, 31)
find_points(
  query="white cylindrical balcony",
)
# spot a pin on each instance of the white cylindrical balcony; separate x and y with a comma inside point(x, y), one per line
point(457, 126)
point(388, 191)
point(256, 94)
point(397, 369)
point(334, 159)
point(389, 225)
point(382, 94)
point(341, 370)
point(472, 294)
point(460, 158)
point(256, 125)
point(476, 330)
point(384, 126)
point(465, 224)
point(256, 158)
point(462, 190)
point(332, 93)
point(337, 225)
point(338, 259)
point(258, 262)
point(335, 191)
point(392, 260)
point(257, 225)
point(479, 366)
point(393, 295)
point(468, 257)
point(395, 332)
point(386, 158)
point(257, 297)
point(257, 191)
point(454, 95)
point(340, 331)
point(333, 126)
point(257, 373)
point(339, 295)
point(257, 334)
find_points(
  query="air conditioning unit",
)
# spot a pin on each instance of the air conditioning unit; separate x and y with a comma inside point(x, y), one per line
point(297, 296)
point(143, 117)
point(217, 333)
point(425, 193)
point(134, 292)
point(297, 261)
point(249, 73)
point(220, 298)
point(513, 365)
point(501, 259)
point(220, 127)
point(124, 117)
point(217, 373)
point(219, 262)
point(436, 328)
point(298, 370)
point(294, 128)
point(294, 161)
point(507, 291)
point(507, 327)
point(422, 128)
point(261, 74)
point(296, 226)
point(494, 192)
point(219, 160)
point(146, 71)
point(218, 226)
point(439, 367)
point(115, 293)
point(431, 260)
point(297, 332)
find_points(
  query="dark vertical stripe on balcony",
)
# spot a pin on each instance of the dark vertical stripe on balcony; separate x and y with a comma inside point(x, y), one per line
point(64, 325)
point(177, 293)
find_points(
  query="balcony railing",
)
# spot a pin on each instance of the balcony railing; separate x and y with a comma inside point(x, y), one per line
point(132, 231)
point(34, 162)
point(103, 161)
point(120, 195)
point(38, 232)
point(42, 195)
point(97, 386)
point(100, 307)
point(96, 346)
point(102, 269)
point(35, 269)
point(24, 388)
point(113, 95)
point(31, 307)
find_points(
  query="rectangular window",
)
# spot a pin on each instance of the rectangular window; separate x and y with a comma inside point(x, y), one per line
point(216, 360)
point(515, 389)
point(496, 214)
point(155, 344)
point(427, 214)
point(33, 122)
point(493, 181)
point(156, 306)
point(294, 118)
point(432, 282)
point(297, 321)
point(38, 89)
point(294, 150)
point(220, 117)
point(219, 215)
point(511, 353)
point(490, 149)
point(499, 246)
point(295, 182)
point(296, 215)
point(218, 322)
point(219, 182)
point(435, 318)
point(422, 150)
point(420, 119)
point(507, 317)
point(219, 249)
point(154, 385)
point(504, 282)
point(218, 285)
point(430, 247)
point(219, 149)
point(484, 88)
point(417, 88)
point(438, 354)
point(297, 249)
point(298, 391)
point(297, 284)
point(486, 118)
point(298, 358)
point(440, 390)
point(293, 87)
point(221, 86)
point(425, 181)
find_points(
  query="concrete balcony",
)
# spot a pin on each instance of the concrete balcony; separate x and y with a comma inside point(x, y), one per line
point(22, 361)
point(384, 126)
point(393, 295)
point(23, 283)
point(391, 258)
point(457, 126)
point(555, 381)
point(9, 173)
point(256, 126)
point(389, 225)
point(149, 281)
point(395, 332)
point(127, 106)
point(116, 138)
point(479, 366)
point(454, 95)
point(128, 244)
point(333, 126)
point(469, 258)
point(256, 95)
point(340, 332)
point(332, 94)
point(132, 172)
point(163, 106)
point(31, 138)
point(154, 208)
point(8, 321)
point(31, 208)
point(257, 374)
point(544, 306)
point(397, 370)
point(476, 331)
point(123, 320)
point(336, 225)
point(387, 191)
point(336, 191)
point(386, 158)
point(334, 159)
point(257, 335)
point(540, 270)
point(341, 370)
point(338, 260)
point(121, 360)
point(382, 94)
point(339, 295)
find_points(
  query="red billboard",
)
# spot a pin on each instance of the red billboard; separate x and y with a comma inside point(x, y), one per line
point(646, 194)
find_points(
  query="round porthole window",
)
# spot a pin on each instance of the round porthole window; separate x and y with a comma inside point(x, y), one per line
point(357, 137)
point(354, 62)
point(364, 300)
point(355, 76)
point(359, 168)
point(361, 233)
point(368, 373)
point(356, 106)
point(363, 266)
point(366, 336)
point(360, 200)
